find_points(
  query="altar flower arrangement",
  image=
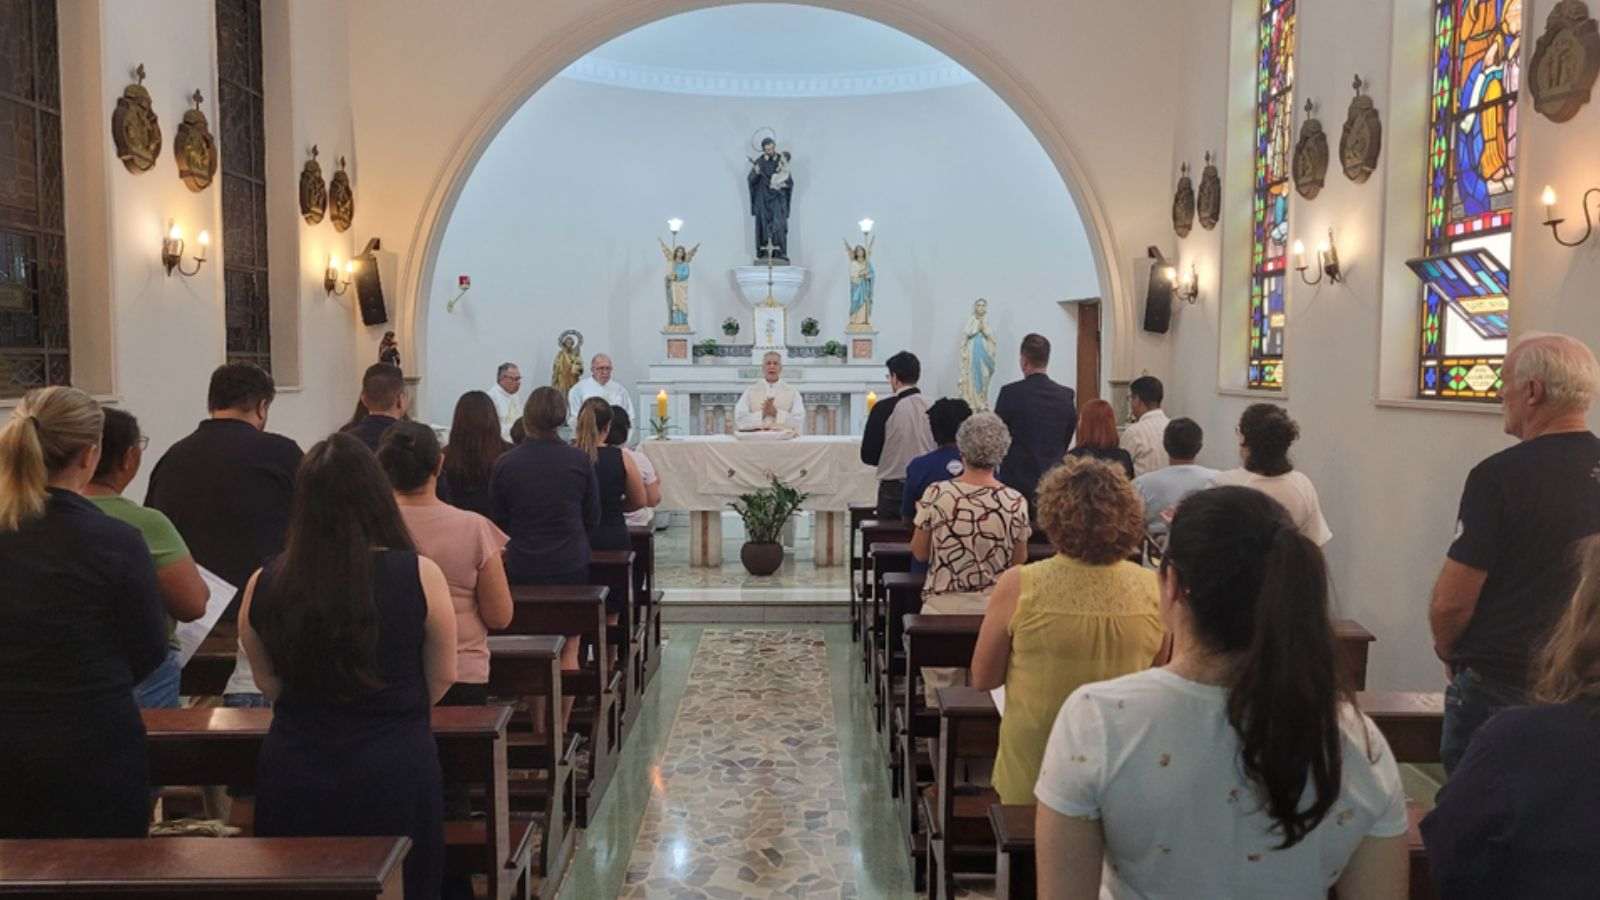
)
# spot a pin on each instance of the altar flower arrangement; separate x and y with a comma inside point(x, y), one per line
point(765, 511)
point(730, 327)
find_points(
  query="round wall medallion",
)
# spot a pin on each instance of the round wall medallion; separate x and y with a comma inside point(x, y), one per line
point(313, 190)
point(1183, 204)
point(1209, 202)
point(1310, 157)
point(135, 129)
point(341, 199)
point(1362, 138)
point(195, 148)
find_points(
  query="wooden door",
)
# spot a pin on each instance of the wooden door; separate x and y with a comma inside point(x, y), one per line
point(1088, 386)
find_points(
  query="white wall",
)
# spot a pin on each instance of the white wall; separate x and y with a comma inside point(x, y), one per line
point(558, 226)
point(1094, 81)
point(148, 342)
point(1389, 471)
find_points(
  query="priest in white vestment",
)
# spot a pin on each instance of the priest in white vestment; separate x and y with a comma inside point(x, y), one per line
point(507, 396)
point(771, 404)
point(598, 383)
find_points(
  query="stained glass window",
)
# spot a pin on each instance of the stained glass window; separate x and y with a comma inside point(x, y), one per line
point(242, 145)
point(33, 245)
point(1269, 246)
point(1472, 148)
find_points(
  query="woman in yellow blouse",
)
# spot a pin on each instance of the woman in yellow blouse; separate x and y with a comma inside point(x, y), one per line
point(1083, 615)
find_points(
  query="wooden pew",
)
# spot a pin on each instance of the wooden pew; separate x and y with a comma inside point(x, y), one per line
point(580, 610)
point(1353, 642)
point(883, 558)
point(874, 531)
point(929, 641)
point(647, 597)
point(208, 671)
point(859, 512)
point(613, 569)
point(328, 868)
point(957, 815)
point(1016, 861)
point(1411, 722)
point(902, 597)
point(205, 746)
point(522, 668)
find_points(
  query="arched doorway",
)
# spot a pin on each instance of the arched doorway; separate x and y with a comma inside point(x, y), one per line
point(417, 272)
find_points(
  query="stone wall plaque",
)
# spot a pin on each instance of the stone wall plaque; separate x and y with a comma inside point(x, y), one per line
point(1183, 204)
point(195, 148)
point(341, 199)
point(313, 190)
point(1362, 138)
point(1310, 156)
point(135, 129)
point(1209, 202)
point(1565, 61)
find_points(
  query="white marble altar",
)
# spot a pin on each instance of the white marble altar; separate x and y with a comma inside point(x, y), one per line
point(701, 397)
point(701, 475)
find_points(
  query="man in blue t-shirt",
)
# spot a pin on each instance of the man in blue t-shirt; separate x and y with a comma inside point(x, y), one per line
point(1512, 567)
point(942, 463)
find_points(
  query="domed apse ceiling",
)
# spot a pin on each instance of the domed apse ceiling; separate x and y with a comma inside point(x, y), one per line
point(768, 50)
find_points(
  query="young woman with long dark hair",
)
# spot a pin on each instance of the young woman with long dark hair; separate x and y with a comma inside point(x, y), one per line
point(475, 446)
point(1241, 769)
point(352, 635)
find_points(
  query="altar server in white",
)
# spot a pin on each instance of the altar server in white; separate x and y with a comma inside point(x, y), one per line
point(597, 383)
point(507, 396)
point(771, 404)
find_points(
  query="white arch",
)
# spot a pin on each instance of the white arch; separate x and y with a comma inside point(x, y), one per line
point(560, 50)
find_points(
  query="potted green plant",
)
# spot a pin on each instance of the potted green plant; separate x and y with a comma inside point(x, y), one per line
point(706, 350)
point(730, 327)
point(833, 351)
point(809, 329)
point(765, 511)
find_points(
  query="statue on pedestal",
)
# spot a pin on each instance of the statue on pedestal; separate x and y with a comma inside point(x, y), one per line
point(677, 283)
point(568, 365)
point(862, 277)
point(977, 357)
point(771, 185)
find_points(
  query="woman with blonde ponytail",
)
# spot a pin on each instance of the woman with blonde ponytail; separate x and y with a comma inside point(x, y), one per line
point(1520, 816)
point(81, 622)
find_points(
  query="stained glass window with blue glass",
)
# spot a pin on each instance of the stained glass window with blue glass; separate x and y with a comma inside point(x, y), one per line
point(1472, 150)
point(1275, 41)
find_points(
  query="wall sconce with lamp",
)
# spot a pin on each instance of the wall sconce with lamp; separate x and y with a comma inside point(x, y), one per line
point(1186, 288)
point(1327, 262)
point(1548, 198)
point(172, 251)
point(330, 279)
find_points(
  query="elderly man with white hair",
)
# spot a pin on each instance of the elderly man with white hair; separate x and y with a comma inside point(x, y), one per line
point(771, 404)
point(1512, 567)
point(598, 383)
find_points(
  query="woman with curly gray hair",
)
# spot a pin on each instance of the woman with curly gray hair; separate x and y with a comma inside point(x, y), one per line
point(969, 530)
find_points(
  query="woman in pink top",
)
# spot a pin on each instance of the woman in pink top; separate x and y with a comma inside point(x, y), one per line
point(465, 545)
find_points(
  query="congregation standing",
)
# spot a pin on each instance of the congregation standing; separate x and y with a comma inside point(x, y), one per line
point(1171, 689)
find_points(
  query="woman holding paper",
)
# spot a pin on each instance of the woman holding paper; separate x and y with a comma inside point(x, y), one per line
point(183, 592)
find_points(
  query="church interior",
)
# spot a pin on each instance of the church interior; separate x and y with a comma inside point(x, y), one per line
point(775, 305)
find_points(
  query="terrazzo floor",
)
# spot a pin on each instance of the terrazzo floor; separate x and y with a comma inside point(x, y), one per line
point(677, 577)
point(754, 771)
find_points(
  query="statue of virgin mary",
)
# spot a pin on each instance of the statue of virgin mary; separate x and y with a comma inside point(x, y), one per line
point(977, 357)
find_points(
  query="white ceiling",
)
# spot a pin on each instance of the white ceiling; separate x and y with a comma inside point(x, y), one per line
point(767, 49)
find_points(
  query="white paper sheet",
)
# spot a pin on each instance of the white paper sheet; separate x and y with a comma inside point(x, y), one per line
point(191, 634)
point(999, 697)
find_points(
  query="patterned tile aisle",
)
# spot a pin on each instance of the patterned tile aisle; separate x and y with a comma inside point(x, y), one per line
point(749, 799)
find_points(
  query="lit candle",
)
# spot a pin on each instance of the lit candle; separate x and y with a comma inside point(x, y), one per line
point(1300, 254)
point(661, 405)
point(205, 241)
point(1548, 198)
point(872, 400)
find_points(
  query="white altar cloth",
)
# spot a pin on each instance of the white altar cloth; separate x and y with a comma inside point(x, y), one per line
point(707, 472)
point(703, 474)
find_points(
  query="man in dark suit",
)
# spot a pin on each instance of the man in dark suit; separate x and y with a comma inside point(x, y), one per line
point(1041, 415)
point(383, 395)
